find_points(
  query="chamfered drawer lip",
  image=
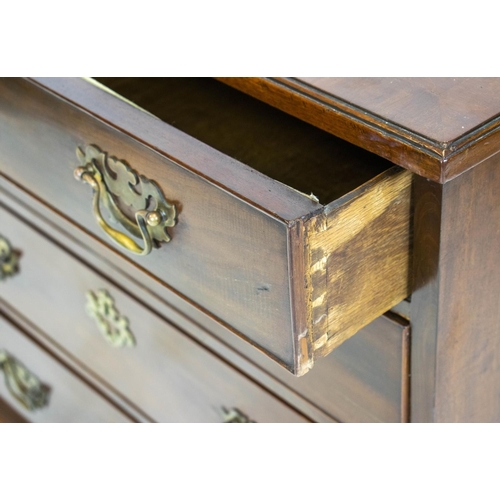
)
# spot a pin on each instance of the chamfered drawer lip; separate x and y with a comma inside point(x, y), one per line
point(283, 316)
point(166, 375)
point(69, 399)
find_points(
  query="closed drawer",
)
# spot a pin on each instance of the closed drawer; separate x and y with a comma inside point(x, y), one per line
point(366, 379)
point(144, 359)
point(293, 276)
point(42, 390)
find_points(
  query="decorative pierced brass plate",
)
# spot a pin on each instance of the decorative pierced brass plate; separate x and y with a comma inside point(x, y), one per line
point(113, 326)
point(132, 200)
point(24, 386)
point(9, 259)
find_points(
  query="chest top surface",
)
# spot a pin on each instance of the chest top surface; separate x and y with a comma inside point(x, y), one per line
point(441, 109)
point(436, 127)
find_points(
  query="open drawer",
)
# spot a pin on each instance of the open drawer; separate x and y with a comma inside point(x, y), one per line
point(295, 274)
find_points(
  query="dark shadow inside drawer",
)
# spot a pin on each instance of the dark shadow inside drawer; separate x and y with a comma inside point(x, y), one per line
point(268, 140)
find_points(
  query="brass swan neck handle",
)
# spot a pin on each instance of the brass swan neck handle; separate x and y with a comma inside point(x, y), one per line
point(113, 180)
point(118, 237)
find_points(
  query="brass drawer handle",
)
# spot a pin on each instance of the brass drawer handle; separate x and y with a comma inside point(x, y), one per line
point(235, 416)
point(24, 386)
point(113, 326)
point(120, 189)
point(9, 259)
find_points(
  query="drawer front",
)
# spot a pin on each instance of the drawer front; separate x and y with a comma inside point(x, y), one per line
point(251, 252)
point(146, 360)
point(366, 379)
point(42, 390)
point(225, 255)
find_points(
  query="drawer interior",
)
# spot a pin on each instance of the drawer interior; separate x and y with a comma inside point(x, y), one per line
point(258, 135)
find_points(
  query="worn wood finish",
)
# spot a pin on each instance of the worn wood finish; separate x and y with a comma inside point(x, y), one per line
point(363, 380)
point(436, 127)
point(71, 400)
point(243, 264)
point(73, 364)
point(366, 379)
point(342, 286)
point(226, 255)
point(166, 374)
point(455, 311)
point(425, 298)
point(203, 328)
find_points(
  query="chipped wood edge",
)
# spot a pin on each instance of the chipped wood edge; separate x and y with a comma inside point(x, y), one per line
point(298, 262)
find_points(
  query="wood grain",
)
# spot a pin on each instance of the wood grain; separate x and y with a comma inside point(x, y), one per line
point(8, 415)
point(71, 399)
point(442, 109)
point(185, 315)
point(360, 381)
point(227, 255)
point(232, 252)
point(366, 378)
point(455, 312)
point(167, 375)
point(435, 127)
point(425, 298)
point(345, 292)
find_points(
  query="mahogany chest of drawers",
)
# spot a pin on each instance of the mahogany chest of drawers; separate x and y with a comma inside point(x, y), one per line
point(248, 250)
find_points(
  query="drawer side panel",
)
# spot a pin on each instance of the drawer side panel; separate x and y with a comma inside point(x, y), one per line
point(359, 259)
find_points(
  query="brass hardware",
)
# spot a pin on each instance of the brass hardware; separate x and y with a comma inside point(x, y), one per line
point(119, 188)
point(234, 416)
point(22, 384)
point(9, 259)
point(113, 326)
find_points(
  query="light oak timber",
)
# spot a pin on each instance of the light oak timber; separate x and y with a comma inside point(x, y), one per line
point(343, 287)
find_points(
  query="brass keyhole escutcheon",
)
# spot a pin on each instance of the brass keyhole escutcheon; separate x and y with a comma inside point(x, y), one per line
point(9, 259)
point(113, 326)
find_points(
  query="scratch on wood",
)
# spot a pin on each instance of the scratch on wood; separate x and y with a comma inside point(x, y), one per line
point(321, 341)
point(321, 318)
point(305, 359)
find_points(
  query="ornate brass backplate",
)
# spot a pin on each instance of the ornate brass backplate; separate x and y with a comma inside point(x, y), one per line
point(9, 259)
point(113, 326)
point(132, 200)
point(24, 386)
